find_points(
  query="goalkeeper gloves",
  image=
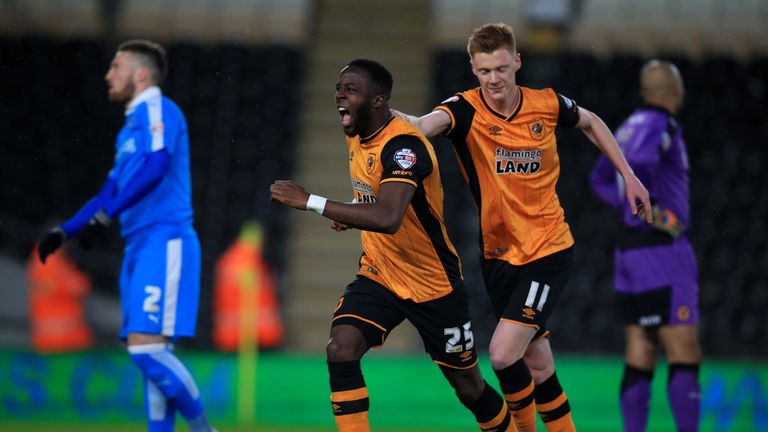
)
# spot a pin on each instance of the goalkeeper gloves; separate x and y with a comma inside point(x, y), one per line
point(667, 221)
point(94, 229)
point(51, 241)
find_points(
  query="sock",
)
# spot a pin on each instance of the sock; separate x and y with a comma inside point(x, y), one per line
point(160, 411)
point(169, 376)
point(635, 398)
point(491, 411)
point(349, 396)
point(683, 392)
point(517, 384)
point(553, 406)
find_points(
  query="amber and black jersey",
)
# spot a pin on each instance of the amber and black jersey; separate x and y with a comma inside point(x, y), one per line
point(418, 262)
point(512, 167)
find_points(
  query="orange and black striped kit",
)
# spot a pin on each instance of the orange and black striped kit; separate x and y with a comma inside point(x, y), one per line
point(418, 262)
point(512, 167)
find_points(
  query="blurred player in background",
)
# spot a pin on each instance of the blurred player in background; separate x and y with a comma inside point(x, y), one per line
point(504, 136)
point(654, 266)
point(409, 269)
point(148, 188)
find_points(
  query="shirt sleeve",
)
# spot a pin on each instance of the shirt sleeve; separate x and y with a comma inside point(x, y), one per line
point(75, 224)
point(605, 183)
point(161, 127)
point(568, 115)
point(405, 159)
point(461, 113)
point(144, 180)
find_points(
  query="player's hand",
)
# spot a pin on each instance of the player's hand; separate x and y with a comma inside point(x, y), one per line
point(667, 221)
point(51, 241)
point(402, 115)
point(453, 98)
point(338, 226)
point(637, 192)
point(289, 193)
point(96, 228)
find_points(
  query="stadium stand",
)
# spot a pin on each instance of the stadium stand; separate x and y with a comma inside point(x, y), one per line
point(58, 135)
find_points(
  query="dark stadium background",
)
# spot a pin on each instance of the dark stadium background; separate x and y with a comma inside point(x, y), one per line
point(246, 100)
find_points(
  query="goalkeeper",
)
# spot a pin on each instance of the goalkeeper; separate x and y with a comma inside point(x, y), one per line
point(655, 268)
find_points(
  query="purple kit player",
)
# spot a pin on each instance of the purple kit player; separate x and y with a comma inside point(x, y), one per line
point(654, 265)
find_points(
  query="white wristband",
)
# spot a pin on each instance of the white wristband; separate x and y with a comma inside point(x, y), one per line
point(316, 203)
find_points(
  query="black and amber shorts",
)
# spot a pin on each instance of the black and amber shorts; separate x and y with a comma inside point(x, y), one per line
point(443, 323)
point(526, 294)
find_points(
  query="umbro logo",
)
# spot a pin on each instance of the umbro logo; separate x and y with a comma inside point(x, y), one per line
point(528, 313)
point(495, 130)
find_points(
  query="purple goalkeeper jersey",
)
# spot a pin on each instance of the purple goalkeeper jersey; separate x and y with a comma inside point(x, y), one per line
point(648, 260)
point(653, 145)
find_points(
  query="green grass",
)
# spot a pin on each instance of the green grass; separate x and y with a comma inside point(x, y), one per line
point(101, 391)
point(137, 427)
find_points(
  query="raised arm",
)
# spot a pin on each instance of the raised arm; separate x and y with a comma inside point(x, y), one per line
point(431, 124)
point(597, 132)
point(384, 215)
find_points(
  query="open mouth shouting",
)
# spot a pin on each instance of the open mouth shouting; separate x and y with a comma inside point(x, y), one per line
point(346, 117)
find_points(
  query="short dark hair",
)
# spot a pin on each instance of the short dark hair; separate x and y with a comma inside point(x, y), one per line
point(152, 52)
point(380, 76)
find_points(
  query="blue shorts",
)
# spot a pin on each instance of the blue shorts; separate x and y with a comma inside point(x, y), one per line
point(160, 282)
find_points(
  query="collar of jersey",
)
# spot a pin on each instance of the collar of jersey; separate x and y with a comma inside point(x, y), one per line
point(151, 92)
point(373, 136)
point(500, 115)
point(652, 107)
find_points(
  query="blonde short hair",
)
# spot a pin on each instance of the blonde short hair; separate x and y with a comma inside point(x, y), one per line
point(491, 37)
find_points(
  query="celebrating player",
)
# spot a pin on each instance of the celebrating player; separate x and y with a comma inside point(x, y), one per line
point(409, 269)
point(504, 135)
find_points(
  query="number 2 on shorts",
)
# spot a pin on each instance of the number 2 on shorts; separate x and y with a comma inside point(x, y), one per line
point(455, 332)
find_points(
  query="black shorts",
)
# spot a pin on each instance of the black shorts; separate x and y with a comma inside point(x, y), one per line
point(527, 294)
point(443, 323)
point(649, 309)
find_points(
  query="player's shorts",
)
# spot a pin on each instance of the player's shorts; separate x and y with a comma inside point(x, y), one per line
point(443, 323)
point(160, 282)
point(526, 294)
point(657, 285)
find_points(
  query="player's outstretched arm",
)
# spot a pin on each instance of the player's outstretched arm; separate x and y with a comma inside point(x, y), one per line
point(143, 181)
point(384, 215)
point(430, 125)
point(54, 238)
point(597, 132)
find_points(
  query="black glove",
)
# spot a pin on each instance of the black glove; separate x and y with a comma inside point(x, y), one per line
point(95, 229)
point(51, 241)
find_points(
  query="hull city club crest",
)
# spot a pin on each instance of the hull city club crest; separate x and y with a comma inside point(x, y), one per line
point(406, 158)
point(536, 129)
point(370, 162)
